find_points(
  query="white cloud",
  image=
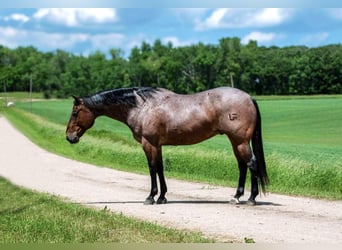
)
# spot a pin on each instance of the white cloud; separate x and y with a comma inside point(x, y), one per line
point(137, 40)
point(336, 13)
point(242, 18)
point(189, 15)
point(192, 14)
point(259, 36)
point(58, 40)
point(12, 38)
point(103, 41)
point(9, 37)
point(315, 39)
point(76, 17)
point(17, 17)
point(270, 17)
point(216, 19)
point(175, 41)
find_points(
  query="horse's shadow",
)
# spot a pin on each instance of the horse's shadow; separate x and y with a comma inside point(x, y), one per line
point(258, 203)
point(244, 203)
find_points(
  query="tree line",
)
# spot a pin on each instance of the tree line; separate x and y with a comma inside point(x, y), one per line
point(187, 69)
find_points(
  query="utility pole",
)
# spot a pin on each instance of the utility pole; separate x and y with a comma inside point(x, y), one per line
point(31, 92)
point(231, 80)
point(5, 95)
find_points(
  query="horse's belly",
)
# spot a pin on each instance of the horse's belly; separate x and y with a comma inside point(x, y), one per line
point(181, 136)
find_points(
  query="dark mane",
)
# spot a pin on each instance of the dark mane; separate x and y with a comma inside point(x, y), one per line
point(119, 96)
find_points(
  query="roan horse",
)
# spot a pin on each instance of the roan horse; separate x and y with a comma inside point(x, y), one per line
point(158, 117)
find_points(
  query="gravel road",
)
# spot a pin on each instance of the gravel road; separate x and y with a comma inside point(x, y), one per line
point(192, 206)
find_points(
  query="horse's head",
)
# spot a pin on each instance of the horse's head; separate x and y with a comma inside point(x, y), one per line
point(81, 119)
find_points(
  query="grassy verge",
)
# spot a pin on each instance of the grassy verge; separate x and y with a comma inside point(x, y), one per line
point(301, 144)
point(28, 217)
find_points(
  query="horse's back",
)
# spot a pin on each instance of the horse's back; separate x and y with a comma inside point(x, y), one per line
point(219, 96)
point(228, 94)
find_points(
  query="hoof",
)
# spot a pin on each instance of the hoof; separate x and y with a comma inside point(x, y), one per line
point(162, 201)
point(235, 201)
point(149, 201)
point(251, 202)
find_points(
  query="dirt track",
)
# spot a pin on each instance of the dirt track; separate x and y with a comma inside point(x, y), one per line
point(194, 206)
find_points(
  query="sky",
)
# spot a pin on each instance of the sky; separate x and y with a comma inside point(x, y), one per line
point(87, 30)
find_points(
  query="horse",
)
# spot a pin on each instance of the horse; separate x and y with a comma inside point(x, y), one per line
point(157, 117)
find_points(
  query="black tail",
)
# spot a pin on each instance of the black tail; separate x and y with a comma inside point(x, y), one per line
point(258, 151)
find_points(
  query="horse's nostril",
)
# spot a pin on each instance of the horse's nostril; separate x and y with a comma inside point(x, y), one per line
point(72, 139)
point(68, 139)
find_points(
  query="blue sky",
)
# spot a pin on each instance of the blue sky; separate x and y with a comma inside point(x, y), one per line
point(83, 31)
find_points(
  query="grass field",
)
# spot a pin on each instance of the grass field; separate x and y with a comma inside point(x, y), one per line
point(302, 139)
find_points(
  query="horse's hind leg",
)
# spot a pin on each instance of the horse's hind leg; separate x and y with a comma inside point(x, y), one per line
point(242, 179)
point(239, 152)
point(252, 165)
point(246, 159)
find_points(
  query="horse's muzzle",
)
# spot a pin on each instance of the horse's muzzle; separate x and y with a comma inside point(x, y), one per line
point(72, 138)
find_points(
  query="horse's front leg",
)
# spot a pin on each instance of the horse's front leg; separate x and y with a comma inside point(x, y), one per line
point(155, 164)
point(163, 187)
point(154, 188)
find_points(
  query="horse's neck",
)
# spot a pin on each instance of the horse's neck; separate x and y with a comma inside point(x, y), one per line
point(117, 112)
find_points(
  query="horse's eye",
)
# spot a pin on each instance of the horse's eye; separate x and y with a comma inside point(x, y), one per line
point(74, 114)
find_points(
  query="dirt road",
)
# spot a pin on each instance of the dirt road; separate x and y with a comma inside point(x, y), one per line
point(194, 206)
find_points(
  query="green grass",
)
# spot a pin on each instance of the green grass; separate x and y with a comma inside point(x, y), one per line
point(303, 121)
point(28, 217)
point(302, 139)
point(18, 96)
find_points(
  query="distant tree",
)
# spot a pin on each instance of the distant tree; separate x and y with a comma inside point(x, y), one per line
point(184, 69)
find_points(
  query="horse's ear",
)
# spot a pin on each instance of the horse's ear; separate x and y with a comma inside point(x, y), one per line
point(77, 100)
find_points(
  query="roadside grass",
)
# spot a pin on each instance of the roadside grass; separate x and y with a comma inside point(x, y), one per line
point(18, 96)
point(29, 217)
